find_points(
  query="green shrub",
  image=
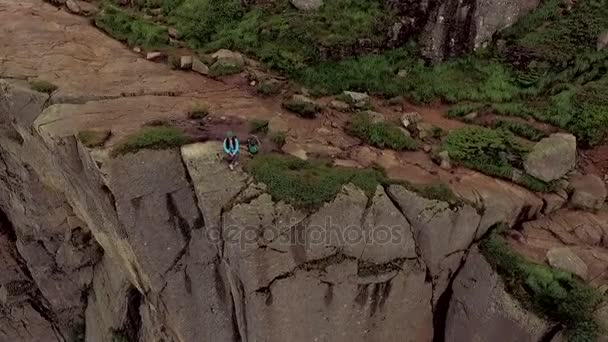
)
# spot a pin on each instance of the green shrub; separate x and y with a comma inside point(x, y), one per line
point(175, 62)
point(198, 112)
point(555, 294)
point(304, 109)
point(462, 109)
point(436, 191)
point(279, 139)
point(521, 129)
point(157, 138)
point(219, 69)
point(130, 28)
point(493, 152)
point(308, 183)
point(43, 86)
point(381, 134)
point(258, 126)
point(77, 333)
point(269, 87)
point(94, 138)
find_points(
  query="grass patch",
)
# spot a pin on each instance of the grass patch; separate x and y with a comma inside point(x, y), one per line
point(309, 184)
point(555, 294)
point(94, 138)
point(382, 134)
point(269, 87)
point(462, 109)
point(304, 109)
point(436, 191)
point(43, 86)
point(493, 152)
point(279, 139)
point(219, 69)
point(198, 112)
point(156, 138)
point(258, 126)
point(521, 129)
point(131, 28)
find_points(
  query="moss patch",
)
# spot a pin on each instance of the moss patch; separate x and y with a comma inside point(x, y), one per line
point(555, 294)
point(94, 138)
point(131, 28)
point(258, 126)
point(198, 112)
point(380, 134)
point(43, 86)
point(156, 138)
point(304, 109)
point(309, 183)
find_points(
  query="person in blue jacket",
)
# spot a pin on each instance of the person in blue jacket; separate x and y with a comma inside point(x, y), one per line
point(231, 147)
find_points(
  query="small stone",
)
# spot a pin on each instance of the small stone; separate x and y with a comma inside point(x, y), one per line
point(602, 41)
point(359, 100)
point(173, 33)
point(252, 83)
point(427, 148)
point(185, 62)
point(425, 130)
point(339, 106)
point(307, 5)
point(153, 55)
point(471, 116)
point(72, 6)
point(405, 132)
point(334, 124)
point(516, 175)
point(446, 162)
point(589, 192)
point(402, 73)
point(137, 49)
point(563, 258)
point(410, 118)
point(199, 67)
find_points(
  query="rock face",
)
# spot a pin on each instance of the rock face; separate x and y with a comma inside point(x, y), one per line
point(481, 310)
point(563, 258)
point(552, 157)
point(589, 192)
point(454, 27)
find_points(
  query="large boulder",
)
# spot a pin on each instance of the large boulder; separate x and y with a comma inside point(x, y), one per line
point(307, 5)
point(552, 157)
point(588, 192)
point(481, 310)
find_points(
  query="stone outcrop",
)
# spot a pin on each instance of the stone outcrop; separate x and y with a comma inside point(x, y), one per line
point(552, 157)
point(588, 192)
point(481, 310)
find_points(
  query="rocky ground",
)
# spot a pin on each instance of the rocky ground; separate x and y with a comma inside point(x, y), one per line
point(169, 245)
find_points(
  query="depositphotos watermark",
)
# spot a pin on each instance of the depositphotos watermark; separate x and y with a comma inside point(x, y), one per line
point(326, 234)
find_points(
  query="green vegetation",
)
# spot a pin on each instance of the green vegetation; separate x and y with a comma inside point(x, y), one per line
point(380, 134)
point(258, 126)
point(556, 294)
point(279, 138)
point(77, 333)
point(269, 87)
point(306, 183)
point(155, 137)
point(198, 112)
point(131, 28)
point(521, 129)
point(219, 69)
point(43, 86)
point(305, 109)
point(493, 152)
point(436, 191)
point(94, 138)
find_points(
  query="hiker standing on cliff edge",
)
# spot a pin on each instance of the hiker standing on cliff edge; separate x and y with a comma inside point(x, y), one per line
point(231, 147)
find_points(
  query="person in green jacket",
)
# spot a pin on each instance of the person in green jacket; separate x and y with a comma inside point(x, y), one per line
point(253, 145)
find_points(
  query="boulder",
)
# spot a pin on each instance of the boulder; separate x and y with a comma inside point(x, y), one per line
point(425, 130)
point(151, 56)
point(185, 62)
point(199, 67)
point(444, 157)
point(563, 258)
point(410, 118)
point(554, 201)
point(588, 192)
point(72, 6)
point(229, 58)
point(358, 100)
point(339, 106)
point(602, 41)
point(481, 310)
point(307, 5)
point(173, 32)
point(552, 157)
